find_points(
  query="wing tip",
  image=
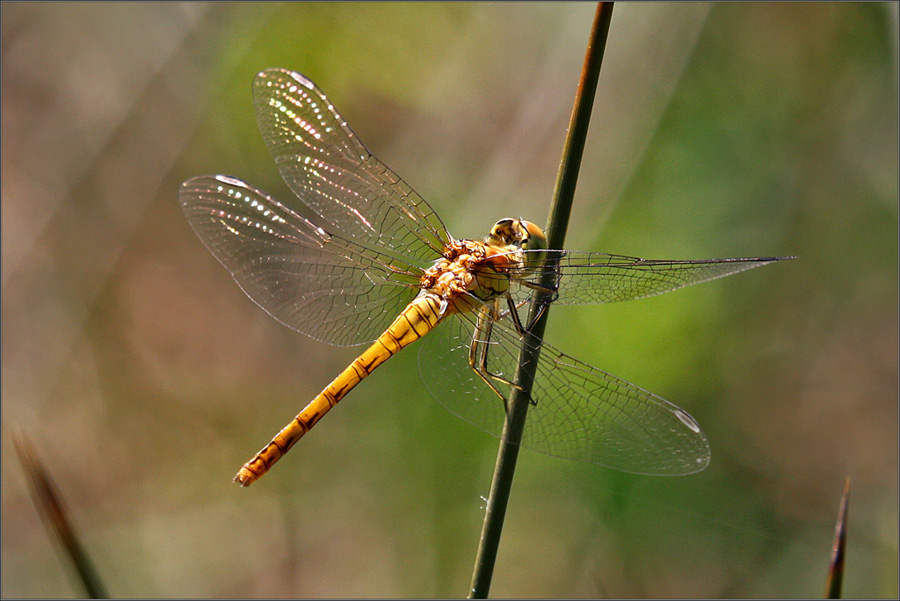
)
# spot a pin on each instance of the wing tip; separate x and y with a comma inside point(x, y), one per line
point(280, 74)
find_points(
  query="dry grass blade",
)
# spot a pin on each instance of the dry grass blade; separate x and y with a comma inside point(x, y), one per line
point(56, 517)
point(838, 549)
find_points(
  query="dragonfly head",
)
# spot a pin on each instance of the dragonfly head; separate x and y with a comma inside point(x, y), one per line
point(519, 233)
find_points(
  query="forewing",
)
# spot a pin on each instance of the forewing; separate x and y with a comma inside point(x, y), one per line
point(329, 169)
point(578, 412)
point(321, 285)
point(593, 278)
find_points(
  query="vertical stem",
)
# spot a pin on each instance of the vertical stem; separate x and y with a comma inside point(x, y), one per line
point(495, 512)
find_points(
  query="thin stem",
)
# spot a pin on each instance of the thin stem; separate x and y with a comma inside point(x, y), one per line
point(49, 502)
point(839, 548)
point(561, 206)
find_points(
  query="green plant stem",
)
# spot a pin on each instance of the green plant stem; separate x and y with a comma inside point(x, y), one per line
point(560, 208)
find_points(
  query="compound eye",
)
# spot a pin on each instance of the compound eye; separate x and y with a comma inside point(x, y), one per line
point(534, 238)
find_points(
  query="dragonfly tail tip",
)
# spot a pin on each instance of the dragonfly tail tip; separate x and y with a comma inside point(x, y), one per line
point(242, 479)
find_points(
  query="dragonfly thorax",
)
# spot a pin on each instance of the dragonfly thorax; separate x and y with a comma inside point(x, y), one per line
point(471, 267)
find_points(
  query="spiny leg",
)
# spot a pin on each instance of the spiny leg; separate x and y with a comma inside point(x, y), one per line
point(517, 322)
point(545, 302)
point(478, 352)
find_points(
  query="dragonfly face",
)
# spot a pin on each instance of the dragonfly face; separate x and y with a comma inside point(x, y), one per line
point(524, 235)
point(381, 251)
point(517, 232)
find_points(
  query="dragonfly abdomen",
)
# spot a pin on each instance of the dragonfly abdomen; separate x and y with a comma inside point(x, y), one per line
point(417, 319)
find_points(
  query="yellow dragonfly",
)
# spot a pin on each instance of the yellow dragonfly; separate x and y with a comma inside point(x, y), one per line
point(382, 267)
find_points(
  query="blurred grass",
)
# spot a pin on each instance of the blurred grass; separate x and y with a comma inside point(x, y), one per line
point(60, 528)
point(835, 577)
point(725, 130)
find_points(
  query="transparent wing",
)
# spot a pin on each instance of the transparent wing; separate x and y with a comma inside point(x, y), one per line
point(594, 278)
point(329, 169)
point(321, 285)
point(579, 412)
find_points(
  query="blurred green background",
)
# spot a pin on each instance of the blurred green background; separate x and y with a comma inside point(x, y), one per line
point(146, 378)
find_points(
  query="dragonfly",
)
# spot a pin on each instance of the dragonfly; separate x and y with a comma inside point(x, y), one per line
point(379, 267)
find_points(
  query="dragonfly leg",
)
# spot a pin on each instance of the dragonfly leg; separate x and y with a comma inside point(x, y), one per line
point(545, 289)
point(478, 354)
point(487, 377)
point(554, 292)
point(514, 315)
point(517, 321)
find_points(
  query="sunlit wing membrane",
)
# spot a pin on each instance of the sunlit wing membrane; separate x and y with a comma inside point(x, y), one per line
point(321, 285)
point(329, 169)
point(579, 412)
